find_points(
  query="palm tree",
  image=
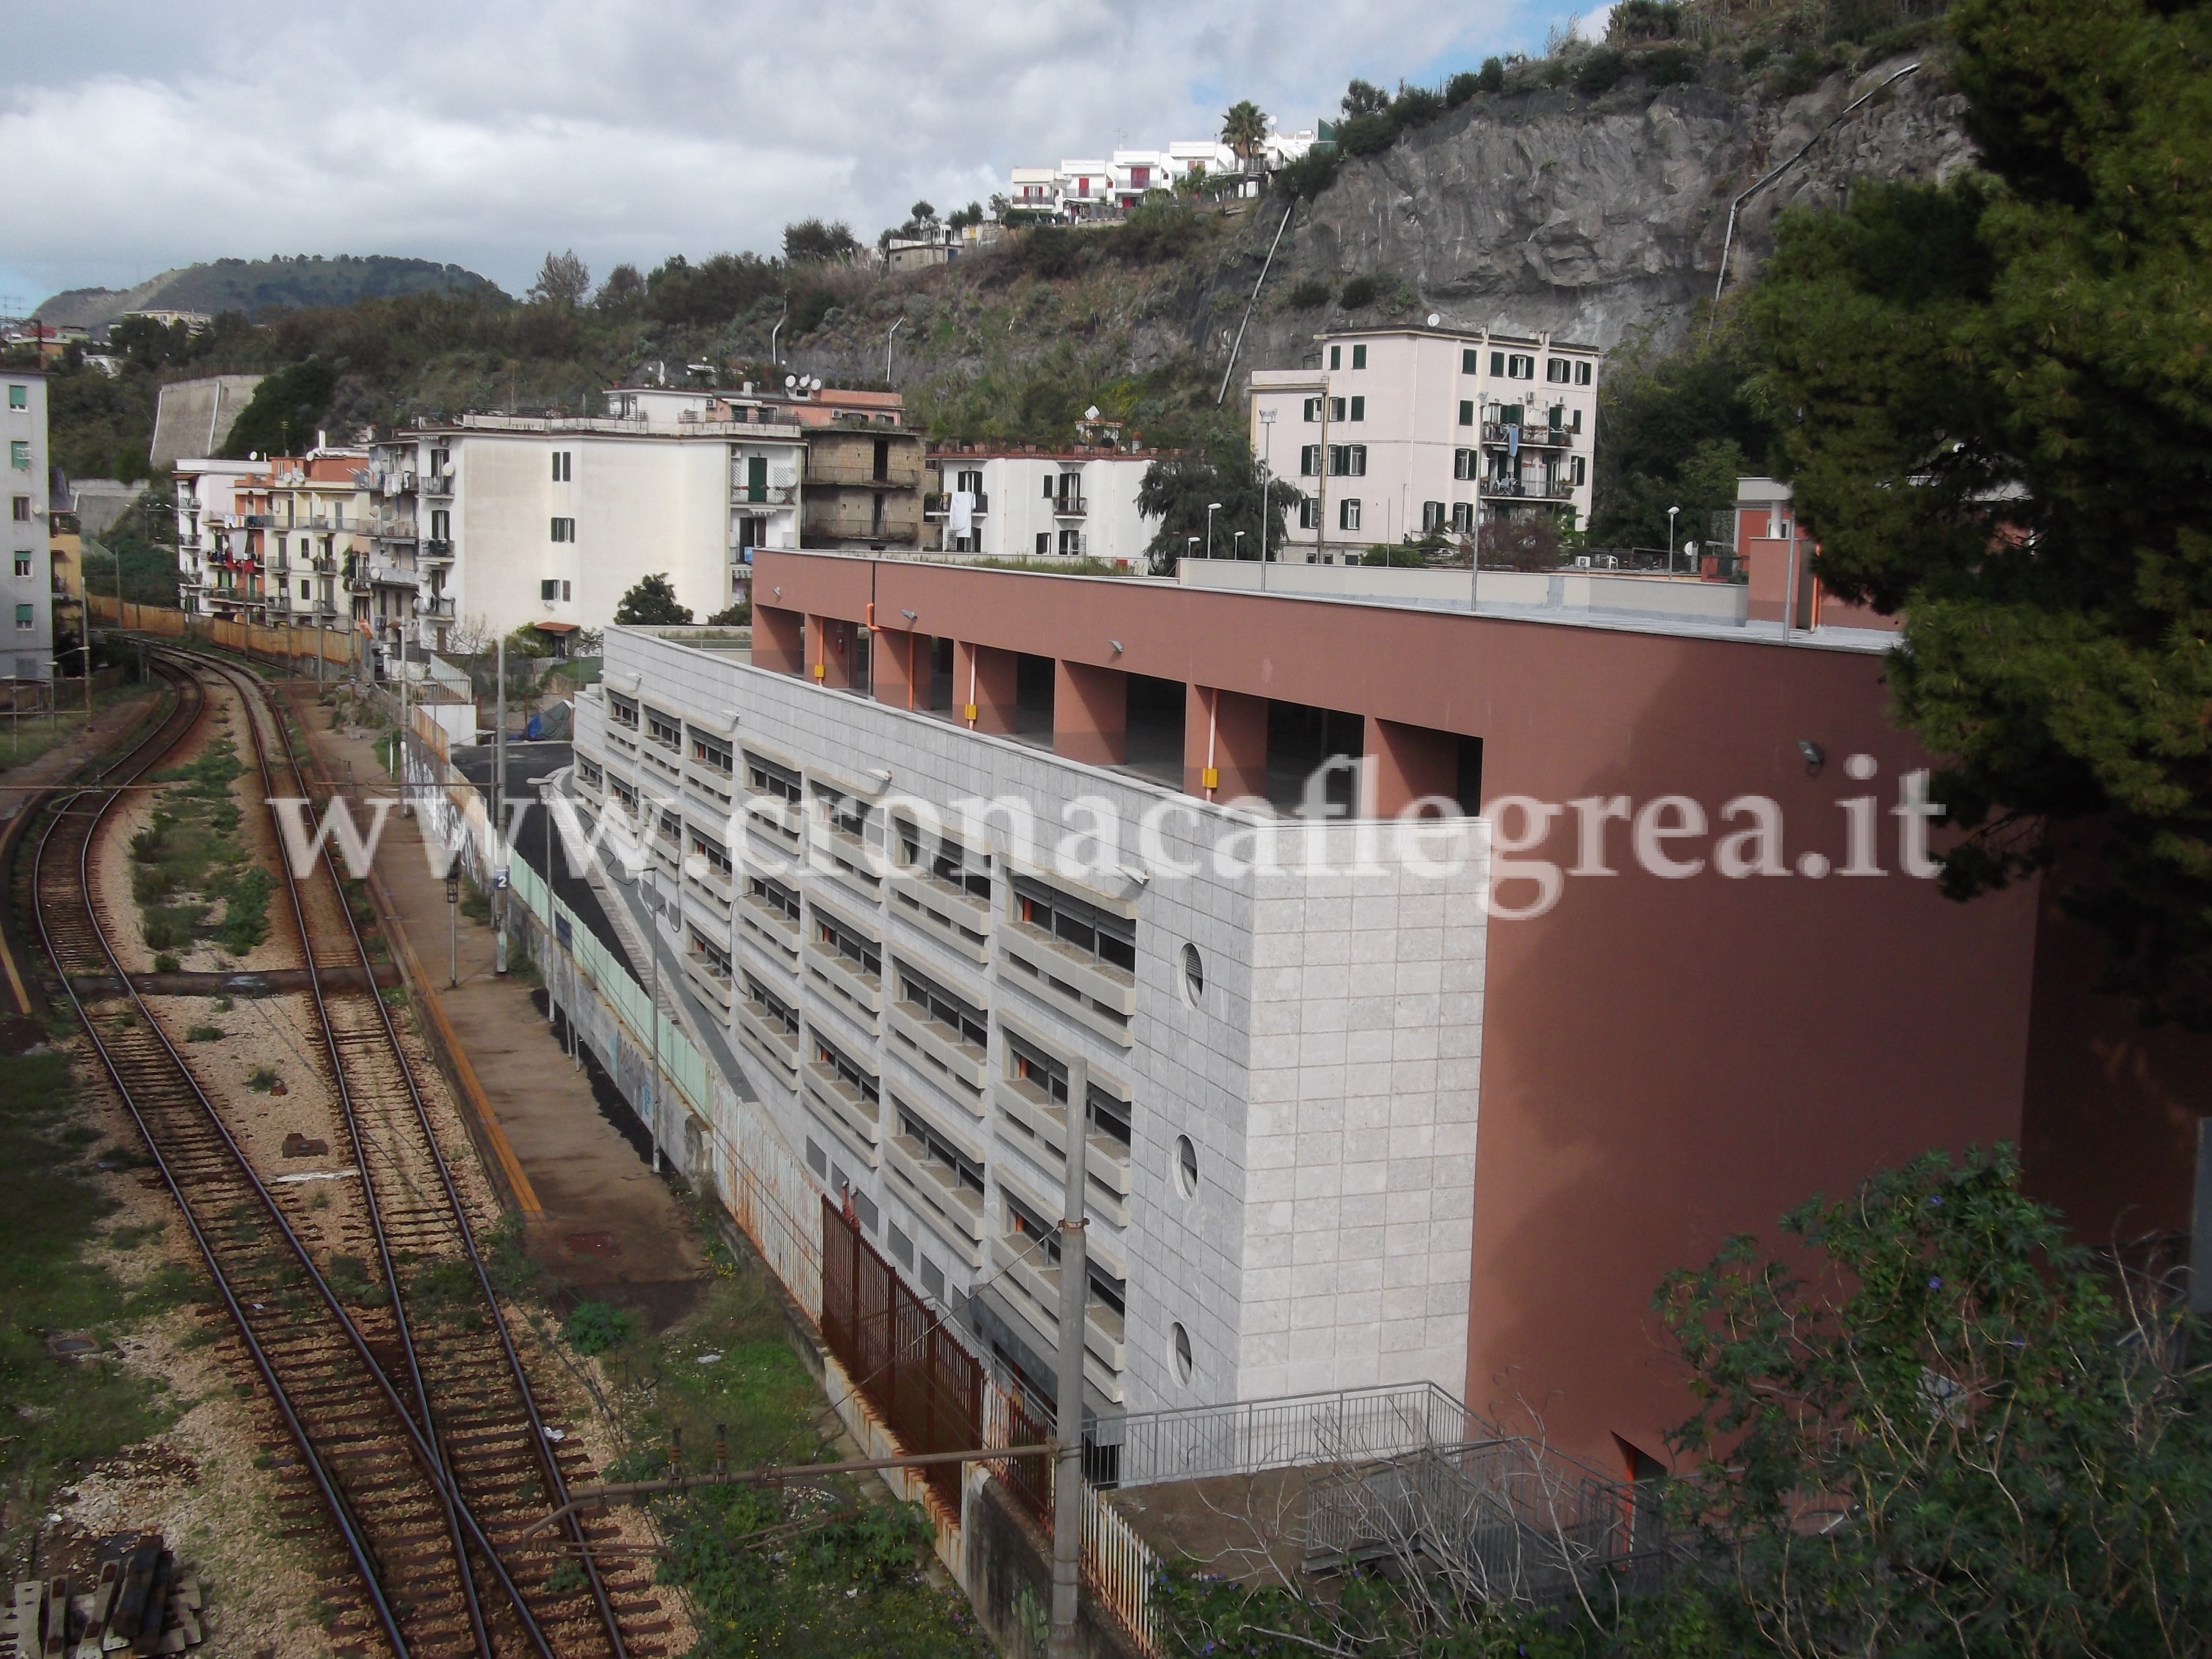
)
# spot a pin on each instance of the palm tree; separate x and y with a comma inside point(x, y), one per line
point(1244, 128)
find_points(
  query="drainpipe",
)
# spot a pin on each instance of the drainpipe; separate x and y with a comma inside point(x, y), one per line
point(971, 687)
point(1211, 778)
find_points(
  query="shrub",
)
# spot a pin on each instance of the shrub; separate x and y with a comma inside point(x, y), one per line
point(1635, 21)
point(165, 963)
point(1803, 72)
point(1492, 77)
point(1359, 291)
point(595, 1327)
point(1367, 135)
point(261, 1079)
point(1671, 66)
point(1311, 173)
point(1462, 87)
point(1310, 295)
point(1156, 232)
point(245, 913)
point(1050, 251)
point(203, 1034)
point(1600, 71)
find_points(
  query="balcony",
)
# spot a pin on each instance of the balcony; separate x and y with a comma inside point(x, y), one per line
point(827, 467)
point(710, 979)
point(438, 549)
point(938, 502)
point(1069, 506)
point(1499, 490)
point(437, 483)
point(437, 608)
point(392, 530)
point(749, 494)
point(1532, 437)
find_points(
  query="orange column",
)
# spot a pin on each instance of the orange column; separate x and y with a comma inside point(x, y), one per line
point(779, 640)
point(1406, 763)
point(895, 660)
point(1089, 714)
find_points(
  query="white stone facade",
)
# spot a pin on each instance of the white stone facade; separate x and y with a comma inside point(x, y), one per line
point(1321, 1062)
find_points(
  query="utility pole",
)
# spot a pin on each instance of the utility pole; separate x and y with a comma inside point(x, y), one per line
point(1267, 455)
point(653, 950)
point(1074, 1296)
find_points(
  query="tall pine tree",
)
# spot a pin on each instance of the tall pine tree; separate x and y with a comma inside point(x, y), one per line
point(1997, 404)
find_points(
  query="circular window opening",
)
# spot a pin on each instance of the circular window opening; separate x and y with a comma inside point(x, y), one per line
point(1193, 973)
point(1185, 1166)
point(1182, 1353)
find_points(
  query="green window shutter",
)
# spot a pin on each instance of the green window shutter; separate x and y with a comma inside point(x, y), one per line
point(1498, 363)
point(1359, 356)
point(1467, 411)
point(1467, 360)
point(1359, 409)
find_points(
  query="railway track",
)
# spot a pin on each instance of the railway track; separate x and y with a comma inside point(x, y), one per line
point(399, 1383)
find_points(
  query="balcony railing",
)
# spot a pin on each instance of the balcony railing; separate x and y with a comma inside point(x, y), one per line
point(1558, 489)
point(938, 502)
point(1069, 506)
point(763, 495)
point(1532, 437)
point(438, 547)
point(828, 469)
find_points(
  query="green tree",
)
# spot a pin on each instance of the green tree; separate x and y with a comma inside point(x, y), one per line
point(562, 280)
point(810, 241)
point(1675, 431)
point(285, 411)
point(653, 601)
point(2001, 425)
point(1176, 490)
point(1938, 1431)
point(1244, 128)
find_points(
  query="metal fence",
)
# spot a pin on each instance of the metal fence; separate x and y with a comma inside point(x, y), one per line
point(1500, 1520)
point(1348, 1425)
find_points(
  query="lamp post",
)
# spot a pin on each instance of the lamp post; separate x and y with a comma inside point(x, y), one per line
point(1211, 508)
point(894, 329)
point(1194, 547)
point(1671, 512)
point(1237, 545)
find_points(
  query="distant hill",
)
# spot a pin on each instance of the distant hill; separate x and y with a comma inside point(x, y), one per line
point(256, 286)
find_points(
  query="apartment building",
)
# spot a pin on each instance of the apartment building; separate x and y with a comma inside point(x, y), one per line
point(863, 485)
point(1022, 501)
point(1087, 190)
point(1340, 1133)
point(66, 565)
point(487, 523)
point(302, 535)
point(1395, 433)
point(27, 647)
point(207, 517)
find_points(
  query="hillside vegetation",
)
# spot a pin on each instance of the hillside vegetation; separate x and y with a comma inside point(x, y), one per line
point(255, 287)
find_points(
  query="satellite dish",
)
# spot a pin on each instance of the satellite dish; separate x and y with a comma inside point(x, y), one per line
point(1091, 413)
point(816, 383)
point(790, 382)
point(1434, 320)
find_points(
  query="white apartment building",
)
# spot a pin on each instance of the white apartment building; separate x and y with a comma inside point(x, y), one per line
point(209, 517)
point(1034, 503)
point(1085, 189)
point(909, 991)
point(488, 523)
point(1398, 432)
point(26, 648)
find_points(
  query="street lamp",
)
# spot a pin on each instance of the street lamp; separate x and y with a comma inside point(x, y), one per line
point(1237, 545)
point(1193, 548)
point(1211, 508)
point(1671, 512)
point(892, 330)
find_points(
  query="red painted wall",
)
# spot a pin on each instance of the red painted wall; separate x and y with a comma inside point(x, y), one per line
point(1663, 1063)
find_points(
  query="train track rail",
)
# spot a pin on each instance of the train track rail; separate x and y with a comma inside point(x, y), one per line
point(400, 1384)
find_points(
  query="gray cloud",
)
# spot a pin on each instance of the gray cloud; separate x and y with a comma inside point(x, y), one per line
point(155, 134)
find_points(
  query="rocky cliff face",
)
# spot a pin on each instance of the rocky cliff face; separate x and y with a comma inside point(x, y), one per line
point(1601, 220)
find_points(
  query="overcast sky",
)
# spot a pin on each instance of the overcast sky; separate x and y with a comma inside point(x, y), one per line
point(141, 134)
